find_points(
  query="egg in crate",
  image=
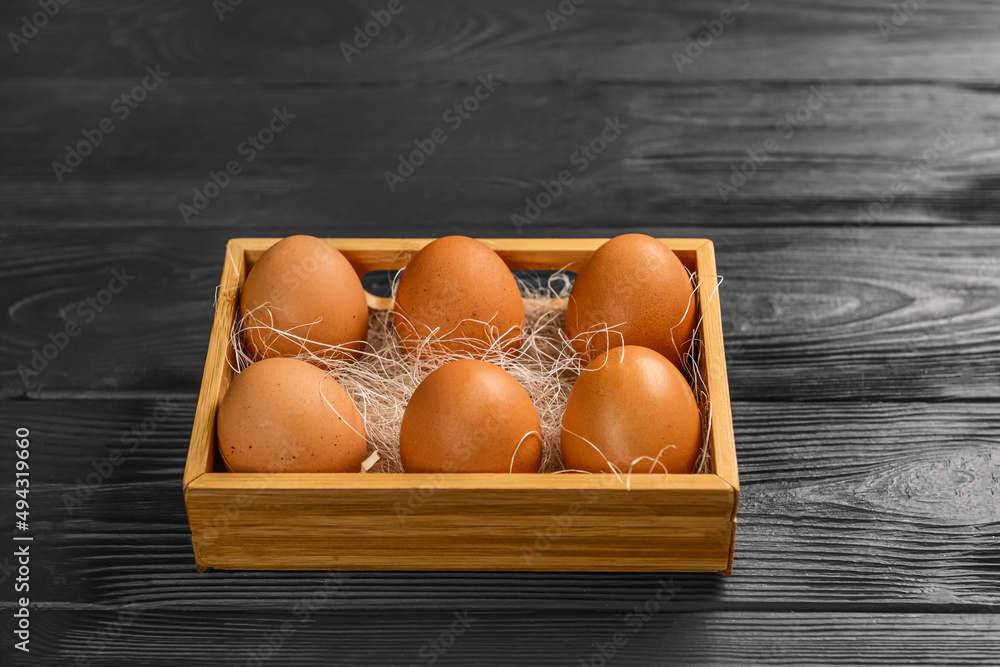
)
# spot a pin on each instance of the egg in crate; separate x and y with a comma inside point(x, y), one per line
point(470, 416)
point(304, 297)
point(456, 296)
point(286, 415)
point(629, 409)
point(632, 291)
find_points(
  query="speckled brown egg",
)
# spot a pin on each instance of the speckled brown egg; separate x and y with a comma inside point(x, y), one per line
point(286, 415)
point(635, 285)
point(460, 294)
point(470, 416)
point(629, 403)
point(303, 296)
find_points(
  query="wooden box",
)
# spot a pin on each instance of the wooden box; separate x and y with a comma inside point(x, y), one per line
point(537, 522)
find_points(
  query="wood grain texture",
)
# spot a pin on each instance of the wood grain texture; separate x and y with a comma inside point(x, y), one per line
point(474, 523)
point(633, 41)
point(474, 637)
point(808, 314)
point(681, 142)
point(713, 370)
point(219, 364)
point(844, 506)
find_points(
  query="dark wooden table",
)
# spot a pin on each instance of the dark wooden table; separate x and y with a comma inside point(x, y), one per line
point(861, 304)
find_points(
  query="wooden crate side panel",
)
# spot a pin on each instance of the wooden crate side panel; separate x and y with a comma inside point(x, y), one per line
point(460, 529)
point(722, 445)
point(520, 254)
point(692, 485)
point(732, 549)
point(201, 452)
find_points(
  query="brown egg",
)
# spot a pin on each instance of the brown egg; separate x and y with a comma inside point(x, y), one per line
point(286, 415)
point(631, 402)
point(470, 416)
point(459, 291)
point(302, 288)
point(637, 282)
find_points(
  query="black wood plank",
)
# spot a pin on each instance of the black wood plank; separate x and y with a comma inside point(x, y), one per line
point(466, 636)
point(434, 41)
point(844, 506)
point(867, 156)
point(809, 314)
